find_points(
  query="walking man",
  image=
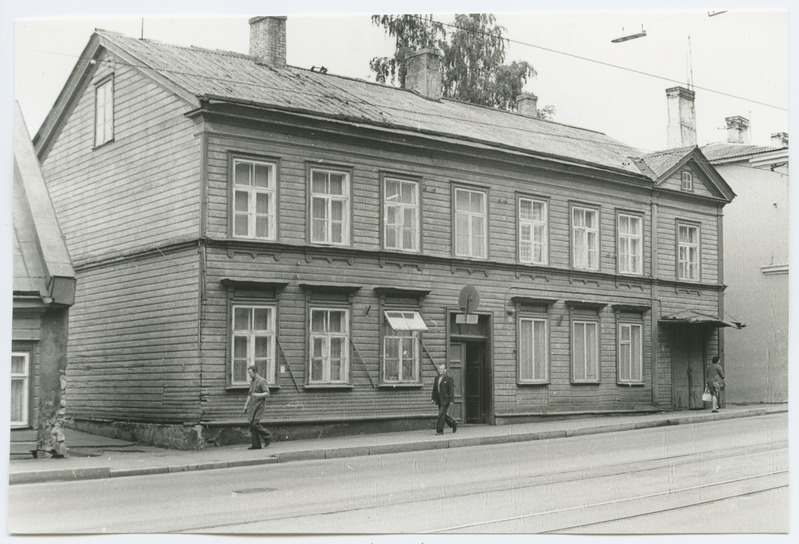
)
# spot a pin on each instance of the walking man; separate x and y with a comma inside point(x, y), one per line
point(443, 394)
point(254, 408)
point(715, 381)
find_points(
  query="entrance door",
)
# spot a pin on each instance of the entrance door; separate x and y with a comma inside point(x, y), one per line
point(687, 368)
point(474, 383)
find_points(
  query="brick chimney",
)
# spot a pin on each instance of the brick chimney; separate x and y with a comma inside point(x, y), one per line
point(681, 130)
point(268, 40)
point(423, 73)
point(527, 105)
point(779, 139)
point(737, 130)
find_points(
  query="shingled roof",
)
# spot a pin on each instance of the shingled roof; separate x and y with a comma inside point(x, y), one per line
point(721, 150)
point(235, 77)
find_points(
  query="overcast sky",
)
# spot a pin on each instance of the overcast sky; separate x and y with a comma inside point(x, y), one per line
point(738, 60)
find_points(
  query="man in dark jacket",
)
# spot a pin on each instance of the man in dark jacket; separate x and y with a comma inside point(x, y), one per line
point(443, 394)
point(254, 408)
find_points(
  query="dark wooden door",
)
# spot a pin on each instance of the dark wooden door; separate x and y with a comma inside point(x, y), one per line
point(474, 383)
point(687, 371)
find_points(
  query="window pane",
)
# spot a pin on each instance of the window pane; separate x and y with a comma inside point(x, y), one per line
point(392, 236)
point(261, 175)
point(392, 191)
point(337, 322)
point(525, 210)
point(318, 321)
point(461, 235)
point(525, 349)
point(242, 173)
point(262, 203)
point(262, 346)
point(18, 411)
point(337, 210)
point(336, 370)
point(239, 371)
point(262, 319)
point(337, 232)
point(540, 351)
point(461, 200)
point(478, 203)
point(317, 369)
point(319, 230)
point(242, 201)
point(590, 350)
point(240, 347)
point(336, 184)
point(18, 365)
point(408, 192)
point(637, 363)
point(579, 351)
point(262, 227)
point(318, 182)
point(241, 319)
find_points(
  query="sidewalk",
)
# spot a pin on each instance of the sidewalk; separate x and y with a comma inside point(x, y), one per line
point(93, 457)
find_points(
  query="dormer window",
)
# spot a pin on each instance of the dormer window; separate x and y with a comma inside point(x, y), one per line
point(104, 112)
point(687, 181)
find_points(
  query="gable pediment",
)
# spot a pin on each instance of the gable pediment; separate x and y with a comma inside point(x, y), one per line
point(686, 171)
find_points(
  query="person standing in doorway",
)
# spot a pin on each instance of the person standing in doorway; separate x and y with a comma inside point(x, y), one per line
point(715, 381)
point(443, 395)
point(254, 408)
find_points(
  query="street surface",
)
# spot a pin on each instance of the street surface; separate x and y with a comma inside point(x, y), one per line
point(729, 477)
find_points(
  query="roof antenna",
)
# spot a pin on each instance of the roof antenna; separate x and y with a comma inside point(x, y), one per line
point(690, 66)
point(142, 28)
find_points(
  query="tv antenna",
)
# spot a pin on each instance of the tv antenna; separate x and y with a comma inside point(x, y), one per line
point(626, 37)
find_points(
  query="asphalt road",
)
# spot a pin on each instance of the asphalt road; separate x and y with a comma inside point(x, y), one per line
point(727, 476)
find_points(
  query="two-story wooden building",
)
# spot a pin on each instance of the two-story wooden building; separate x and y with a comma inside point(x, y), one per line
point(225, 209)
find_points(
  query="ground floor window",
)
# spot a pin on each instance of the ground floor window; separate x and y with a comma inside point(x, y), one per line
point(20, 385)
point(630, 353)
point(329, 340)
point(253, 343)
point(533, 350)
point(401, 354)
point(585, 351)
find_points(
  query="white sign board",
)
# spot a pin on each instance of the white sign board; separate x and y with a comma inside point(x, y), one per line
point(468, 319)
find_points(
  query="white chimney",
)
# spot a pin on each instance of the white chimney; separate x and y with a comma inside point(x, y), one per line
point(681, 130)
point(737, 130)
point(527, 105)
point(779, 139)
point(268, 40)
point(423, 73)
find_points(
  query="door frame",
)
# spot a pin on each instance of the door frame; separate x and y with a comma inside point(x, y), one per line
point(700, 332)
point(487, 341)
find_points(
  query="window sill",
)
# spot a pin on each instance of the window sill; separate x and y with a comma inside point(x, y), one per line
point(111, 141)
point(247, 387)
point(345, 386)
point(524, 384)
point(585, 383)
point(400, 386)
point(631, 384)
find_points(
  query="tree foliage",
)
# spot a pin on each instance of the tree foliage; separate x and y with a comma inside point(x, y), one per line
point(474, 68)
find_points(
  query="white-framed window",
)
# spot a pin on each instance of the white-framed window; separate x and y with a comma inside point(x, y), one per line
point(401, 354)
point(630, 244)
point(686, 181)
point(20, 385)
point(401, 214)
point(104, 112)
point(687, 252)
point(585, 351)
point(330, 207)
point(329, 346)
point(254, 199)
point(533, 350)
point(533, 231)
point(471, 225)
point(631, 355)
point(253, 342)
point(585, 238)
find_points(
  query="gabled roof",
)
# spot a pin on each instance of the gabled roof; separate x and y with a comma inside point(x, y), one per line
point(721, 151)
point(659, 165)
point(42, 266)
point(200, 75)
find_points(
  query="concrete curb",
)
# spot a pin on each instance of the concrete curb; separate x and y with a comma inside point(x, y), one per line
point(380, 449)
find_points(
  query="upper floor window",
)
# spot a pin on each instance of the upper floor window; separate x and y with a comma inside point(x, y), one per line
point(533, 231)
point(585, 238)
point(687, 181)
point(631, 366)
point(104, 112)
point(254, 188)
point(253, 343)
point(533, 350)
point(329, 346)
point(401, 355)
point(401, 214)
point(630, 244)
point(585, 351)
point(471, 225)
point(687, 252)
point(330, 207)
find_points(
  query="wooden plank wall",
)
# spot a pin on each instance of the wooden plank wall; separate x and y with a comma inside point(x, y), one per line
point(133, 341)
point(139, 191)
point(501, 279)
